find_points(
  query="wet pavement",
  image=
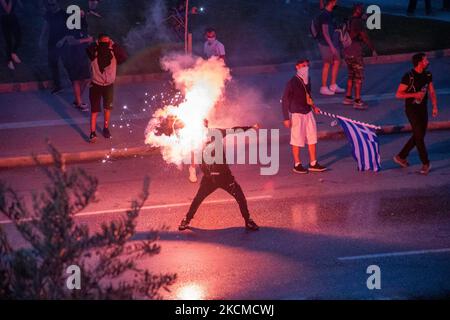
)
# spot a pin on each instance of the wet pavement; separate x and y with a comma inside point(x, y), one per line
point(319, 232)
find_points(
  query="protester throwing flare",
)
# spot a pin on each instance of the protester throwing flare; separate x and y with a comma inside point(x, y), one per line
point(215, 176)
point(211, 48)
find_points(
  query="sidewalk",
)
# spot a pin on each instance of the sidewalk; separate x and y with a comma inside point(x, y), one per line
point(399, 7)
point(28, 118)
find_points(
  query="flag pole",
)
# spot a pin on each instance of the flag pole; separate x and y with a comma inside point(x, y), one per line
point(331, 115)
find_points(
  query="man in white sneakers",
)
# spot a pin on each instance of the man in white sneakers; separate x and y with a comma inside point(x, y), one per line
point(329, 47)
point(297, 101)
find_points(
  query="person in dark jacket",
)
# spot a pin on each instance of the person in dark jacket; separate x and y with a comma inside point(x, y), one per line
point(105, 56)
point(297, 101)
point(215, 176)
point(12, 32)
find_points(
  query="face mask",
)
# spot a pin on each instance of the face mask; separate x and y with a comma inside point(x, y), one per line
point(303, 73)
point(211, 40)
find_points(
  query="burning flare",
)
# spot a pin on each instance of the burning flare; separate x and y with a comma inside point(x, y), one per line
point(179, 130)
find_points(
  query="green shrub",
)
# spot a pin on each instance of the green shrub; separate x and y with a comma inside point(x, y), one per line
point(54, 241)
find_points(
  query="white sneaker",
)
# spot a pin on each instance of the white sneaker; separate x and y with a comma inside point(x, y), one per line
point(11, 65)
point(15, 58)
point(326, 91)
point(192, 174)
point(336, 89)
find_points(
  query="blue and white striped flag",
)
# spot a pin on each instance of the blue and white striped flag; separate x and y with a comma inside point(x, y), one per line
point(365, 145)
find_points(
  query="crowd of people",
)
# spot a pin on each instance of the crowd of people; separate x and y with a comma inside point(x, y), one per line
point(298, 105)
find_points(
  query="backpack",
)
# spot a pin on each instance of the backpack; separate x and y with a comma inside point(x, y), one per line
point(344, 34)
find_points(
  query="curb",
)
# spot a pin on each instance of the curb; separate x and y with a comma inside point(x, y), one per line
point(246, 70)
point(78, 157)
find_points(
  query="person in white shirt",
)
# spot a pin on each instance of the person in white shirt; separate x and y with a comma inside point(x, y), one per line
point(213, 47)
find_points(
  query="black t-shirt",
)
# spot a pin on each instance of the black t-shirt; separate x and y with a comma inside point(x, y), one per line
point(417, 82)
point(57, 26)
point(327, 18)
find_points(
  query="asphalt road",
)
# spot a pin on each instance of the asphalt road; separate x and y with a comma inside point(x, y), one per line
point(319, 232)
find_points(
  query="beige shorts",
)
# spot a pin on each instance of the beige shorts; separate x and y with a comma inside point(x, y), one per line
point(303, 129)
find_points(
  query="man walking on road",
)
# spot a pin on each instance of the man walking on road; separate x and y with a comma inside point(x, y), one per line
point(414, 88)
point(298, 102)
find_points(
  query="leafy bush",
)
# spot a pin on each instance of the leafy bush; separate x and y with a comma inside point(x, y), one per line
point(54, 241)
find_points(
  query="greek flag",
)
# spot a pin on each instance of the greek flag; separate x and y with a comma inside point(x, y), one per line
point(365, 145)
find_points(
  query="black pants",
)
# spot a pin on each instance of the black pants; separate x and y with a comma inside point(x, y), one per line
point(54, 54)
point(210, 184)
point(413, 4)
point(418, 118)
point(11, 33)
point(446, 4)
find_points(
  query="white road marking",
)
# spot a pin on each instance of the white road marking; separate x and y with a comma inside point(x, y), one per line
point(158, 206)
point(394, 254)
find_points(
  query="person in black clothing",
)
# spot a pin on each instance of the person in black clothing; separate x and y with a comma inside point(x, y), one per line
point(413, 4)
point(215, 176)
point(446, 5)
point(55, 27)
point(11, 31)
point(414, 88)
point(74, 46)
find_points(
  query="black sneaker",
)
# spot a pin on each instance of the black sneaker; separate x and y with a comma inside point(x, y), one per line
point(299, 169)
point(348, 100)
point(317, 168)
point(56, 90)
point(106, 133)
point(360, 105)
point(183, 225)
point(93, 137)
point(425, 169)
point(251, 225)
point(401, 162)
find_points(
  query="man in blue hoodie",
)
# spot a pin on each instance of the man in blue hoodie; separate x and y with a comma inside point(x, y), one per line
point(297, 101)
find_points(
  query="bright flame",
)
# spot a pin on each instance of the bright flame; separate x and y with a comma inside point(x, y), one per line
point(191, 292)
point(202, 83)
